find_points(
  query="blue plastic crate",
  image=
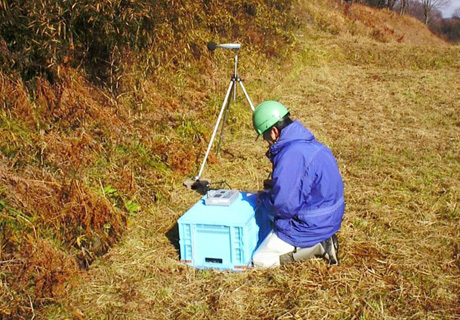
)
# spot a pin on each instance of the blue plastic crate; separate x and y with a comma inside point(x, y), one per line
point(222, 237)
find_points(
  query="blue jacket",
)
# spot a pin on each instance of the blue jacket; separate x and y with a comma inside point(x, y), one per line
point(307, 199)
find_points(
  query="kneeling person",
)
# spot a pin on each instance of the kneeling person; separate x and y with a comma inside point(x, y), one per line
point(306, 198)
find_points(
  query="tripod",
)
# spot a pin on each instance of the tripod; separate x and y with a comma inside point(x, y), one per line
point(226, 104)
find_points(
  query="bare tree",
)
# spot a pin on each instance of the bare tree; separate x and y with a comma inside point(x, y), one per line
point(429, 5)
point(403, 7)
point(391, 4)
point(456, 13)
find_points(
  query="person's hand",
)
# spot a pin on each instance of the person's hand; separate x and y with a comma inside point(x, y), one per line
point(268, 184)
point(260, 195)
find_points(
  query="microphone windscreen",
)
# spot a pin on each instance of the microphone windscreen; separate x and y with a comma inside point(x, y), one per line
point(212, 46)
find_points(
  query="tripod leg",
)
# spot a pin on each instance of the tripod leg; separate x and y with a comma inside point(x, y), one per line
point(246, 94)
point(225, 120)
point(215, 128)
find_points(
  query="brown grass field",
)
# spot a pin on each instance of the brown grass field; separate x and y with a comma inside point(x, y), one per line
point(395, 132)
point(380, 91)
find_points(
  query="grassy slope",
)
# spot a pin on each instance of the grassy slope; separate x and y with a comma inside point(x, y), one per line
point(395, 135)
point(76, 160)
point(390, 113)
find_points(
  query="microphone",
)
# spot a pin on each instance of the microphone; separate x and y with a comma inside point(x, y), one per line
point(212, 46)
point(231, 46)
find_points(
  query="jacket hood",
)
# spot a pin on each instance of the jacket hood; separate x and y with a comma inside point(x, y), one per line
point(293, 132)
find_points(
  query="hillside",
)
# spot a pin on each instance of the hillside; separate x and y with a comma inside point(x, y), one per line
point(92, 164)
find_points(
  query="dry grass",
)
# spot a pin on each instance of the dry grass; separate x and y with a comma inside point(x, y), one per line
point(76, 160)
point(395, 132)
point(323, 18)
point(389, 111)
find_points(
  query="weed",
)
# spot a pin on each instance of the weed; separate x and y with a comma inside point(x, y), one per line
point(78, 160)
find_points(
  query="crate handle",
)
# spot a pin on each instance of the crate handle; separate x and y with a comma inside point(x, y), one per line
point(213, 260)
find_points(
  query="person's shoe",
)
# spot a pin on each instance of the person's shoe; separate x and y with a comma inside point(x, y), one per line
point(287, 258)
point(331, 250)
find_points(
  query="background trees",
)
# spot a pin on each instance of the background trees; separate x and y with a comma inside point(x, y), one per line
point(427, 11)
point(430, 5)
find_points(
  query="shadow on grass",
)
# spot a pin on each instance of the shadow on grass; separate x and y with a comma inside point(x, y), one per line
point(173, 237)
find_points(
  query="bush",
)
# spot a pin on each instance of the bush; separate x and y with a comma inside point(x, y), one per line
point(39, 35)
point(71, 153)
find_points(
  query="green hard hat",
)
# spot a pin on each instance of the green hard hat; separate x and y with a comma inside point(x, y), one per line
point(267, 114)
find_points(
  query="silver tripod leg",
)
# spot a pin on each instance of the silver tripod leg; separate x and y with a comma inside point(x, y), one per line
point(215, 128)
point(228, 108)
point(246, 94)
